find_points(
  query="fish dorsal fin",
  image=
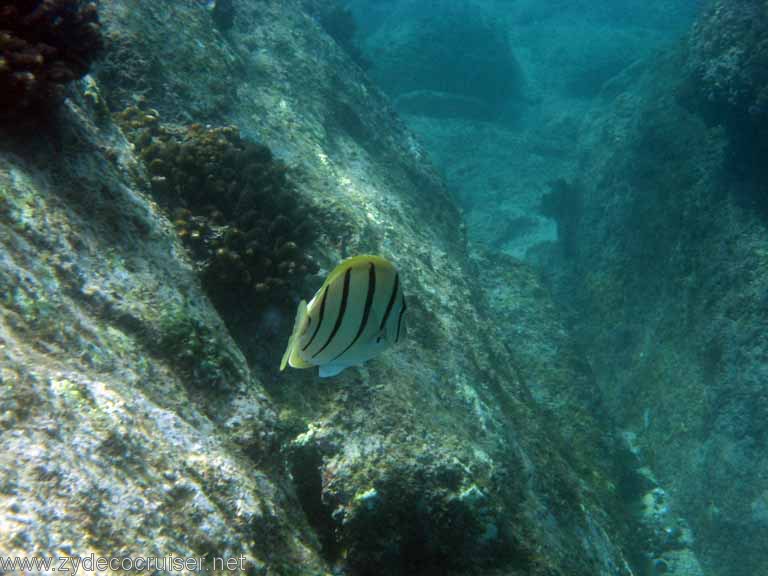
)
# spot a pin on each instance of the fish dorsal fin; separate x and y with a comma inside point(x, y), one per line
point(353, 261)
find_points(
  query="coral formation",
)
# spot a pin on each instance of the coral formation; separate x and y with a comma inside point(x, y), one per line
point(43, 46)
point(422, 515)
point(232, 203)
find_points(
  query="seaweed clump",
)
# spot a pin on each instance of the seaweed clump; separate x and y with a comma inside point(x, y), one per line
point(233, 205)
point(44, 45)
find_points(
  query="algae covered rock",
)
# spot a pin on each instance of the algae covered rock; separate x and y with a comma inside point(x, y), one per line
point(130, 424)
point(172, 54)
point(728, 62)
point(669, 334)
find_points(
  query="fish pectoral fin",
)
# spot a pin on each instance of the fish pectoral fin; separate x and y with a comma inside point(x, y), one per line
point(331, 370)
point(296, 361)
point(290, 355)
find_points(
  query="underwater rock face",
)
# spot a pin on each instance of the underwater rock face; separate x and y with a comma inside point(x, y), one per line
point(193, 78)
point(420, 59)
point(728, 62)
point(134, 422)
point(130, 423)
point(338, 21)
point(727, 83)
point(671, 277)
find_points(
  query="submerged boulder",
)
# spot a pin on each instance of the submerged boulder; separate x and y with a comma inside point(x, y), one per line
point(727, 64)
point(453, 56)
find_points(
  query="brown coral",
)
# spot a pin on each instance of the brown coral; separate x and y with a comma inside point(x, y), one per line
point(43, 46)
point(233, 205)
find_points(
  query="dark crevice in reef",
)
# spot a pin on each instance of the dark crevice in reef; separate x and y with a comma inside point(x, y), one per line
point(749, 149)
point(305, 466)
point(564, 203)
point(223, 14)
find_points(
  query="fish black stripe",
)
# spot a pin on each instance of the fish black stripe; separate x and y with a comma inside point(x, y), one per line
point(340, 317)
point(391, 302)
point(366, 310)
point(320, 320)
point(399, 320)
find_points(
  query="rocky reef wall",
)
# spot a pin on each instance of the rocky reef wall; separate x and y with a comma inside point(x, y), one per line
point(670, 265)
point(138, 419)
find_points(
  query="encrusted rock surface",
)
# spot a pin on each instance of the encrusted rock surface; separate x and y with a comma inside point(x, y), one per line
point(728, 63)
point(671, 277)
point(133, 423)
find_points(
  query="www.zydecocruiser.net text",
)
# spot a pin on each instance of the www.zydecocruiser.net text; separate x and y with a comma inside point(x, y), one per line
point(93, 564)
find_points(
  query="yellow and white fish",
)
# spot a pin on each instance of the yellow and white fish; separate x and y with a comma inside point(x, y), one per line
point(356, 314)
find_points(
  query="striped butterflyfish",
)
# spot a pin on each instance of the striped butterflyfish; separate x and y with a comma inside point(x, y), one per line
point(356, 314)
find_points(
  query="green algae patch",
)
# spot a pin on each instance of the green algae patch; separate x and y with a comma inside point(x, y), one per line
point(194, 347)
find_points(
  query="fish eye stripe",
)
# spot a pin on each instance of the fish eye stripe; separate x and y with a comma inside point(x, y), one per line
point(400, 320)
point(342, 310)
point(320, 320)
point(366, 310)
point(391, 302)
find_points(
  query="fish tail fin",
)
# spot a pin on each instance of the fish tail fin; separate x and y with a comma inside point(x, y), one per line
point(291, 356)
